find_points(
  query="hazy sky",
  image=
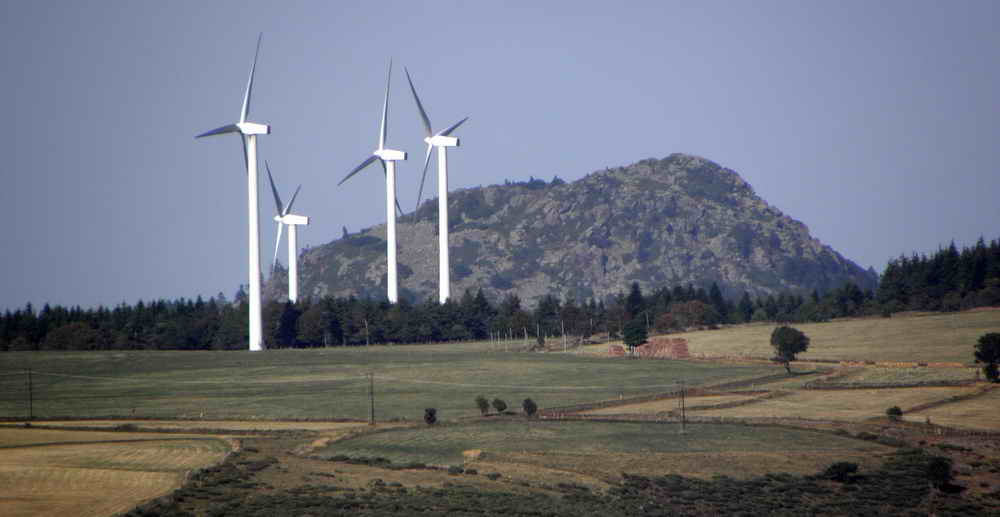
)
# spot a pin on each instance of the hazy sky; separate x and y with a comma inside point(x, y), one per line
point(874, 123)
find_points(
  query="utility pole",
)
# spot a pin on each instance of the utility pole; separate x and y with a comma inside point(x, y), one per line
point(683, 411)
point(562, 328)
point(367, 333)
point(31, 402)
point(371, 398)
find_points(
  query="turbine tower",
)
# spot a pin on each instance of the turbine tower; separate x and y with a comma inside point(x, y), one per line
point(387, 158)
point(285, 217)
point(248, 132)
point(442, 141)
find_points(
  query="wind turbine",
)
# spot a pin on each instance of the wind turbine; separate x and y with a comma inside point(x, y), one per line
point(248, 132)
point(442, 141)
point(387, 158)
point(285, 217)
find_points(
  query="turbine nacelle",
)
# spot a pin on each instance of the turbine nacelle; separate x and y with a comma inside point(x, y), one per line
point(253, 128)
point(292, 219)
point(390, 155)
point(442, 141)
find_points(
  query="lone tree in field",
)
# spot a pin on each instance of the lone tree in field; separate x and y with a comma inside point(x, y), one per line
point(787, 343)
point(634, 334)
point(430, 416)
point(499, 405)
point(529, 406)
point(988, 352)
point(483, 404)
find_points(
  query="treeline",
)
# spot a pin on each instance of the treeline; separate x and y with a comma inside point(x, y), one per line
point(947, 280)
point(217, 324)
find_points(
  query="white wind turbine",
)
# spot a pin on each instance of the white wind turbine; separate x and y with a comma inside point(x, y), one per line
point(248, 132)
point(285, 217)
point(442, 141)
point(387, 158)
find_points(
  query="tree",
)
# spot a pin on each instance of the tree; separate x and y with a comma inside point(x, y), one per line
point(499, 405)
point(988, 352)
point(430, 416)
point(787, 343)
point(894, 413)
point(483, 404)
point(635, 334)
point(529, 406)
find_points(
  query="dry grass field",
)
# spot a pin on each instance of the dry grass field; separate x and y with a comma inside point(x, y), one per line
point(847, 405)
point(878, 375)
point(665, 405)
point(981, 412)
point(62, 473)
point(215, 425)
point(926, 337)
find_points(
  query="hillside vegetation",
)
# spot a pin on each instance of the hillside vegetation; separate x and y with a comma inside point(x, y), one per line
point(679, 220)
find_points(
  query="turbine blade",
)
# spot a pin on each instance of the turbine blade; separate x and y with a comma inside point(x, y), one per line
point(277, 242)
point(383, 129)
point(454, 126)
point(230, 128)
point(427, 160)
point(423, 114)
point(274, 190)
point(364, 164)
point(245, 111)
point(292, 202)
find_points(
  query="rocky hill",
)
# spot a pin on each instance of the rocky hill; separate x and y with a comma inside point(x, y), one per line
point(679, 220)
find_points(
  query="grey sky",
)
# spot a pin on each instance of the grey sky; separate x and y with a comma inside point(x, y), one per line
point(874, 123)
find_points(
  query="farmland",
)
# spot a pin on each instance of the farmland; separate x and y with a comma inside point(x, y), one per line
point(140, 413)
point(330, 383)
point(603, 449)
point(83, 473)
point(927, 337)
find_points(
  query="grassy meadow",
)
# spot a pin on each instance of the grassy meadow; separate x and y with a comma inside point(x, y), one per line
point(922, 337)
point(605, 449)
point(330, 383)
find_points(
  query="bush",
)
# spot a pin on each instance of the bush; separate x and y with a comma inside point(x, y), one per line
point(483, 404)
point(529, 406)
point(499, 405)
point(894, 413)
point(430, 416)
point(864, 435)
point(493, 476)
point(455, 470)
point(840, 471)
point(939, 471)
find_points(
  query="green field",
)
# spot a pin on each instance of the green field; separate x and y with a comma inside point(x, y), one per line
point(329, 383)
point(597, 448)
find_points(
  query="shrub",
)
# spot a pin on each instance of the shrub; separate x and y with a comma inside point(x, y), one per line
point(529, 406)
point(939, 471)
point(430, 416)
point(471, 472)
point(483, 404)
point(493, 476)
point(499, 405)
point(455, 470)
point(894, 413)
point(864, 435)
point(840, 471)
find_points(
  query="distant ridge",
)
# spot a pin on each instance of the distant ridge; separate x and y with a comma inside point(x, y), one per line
point(675, 221)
